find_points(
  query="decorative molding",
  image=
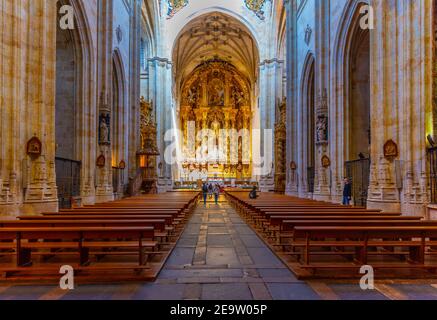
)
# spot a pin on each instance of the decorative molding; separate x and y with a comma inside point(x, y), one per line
point(322, 102)
point(270, 61)
point(101, 161)
point(34, 147)
point(391, 150)
point(326, 162)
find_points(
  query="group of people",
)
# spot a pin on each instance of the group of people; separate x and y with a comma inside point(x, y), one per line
point(214, 190)
point(209, 189)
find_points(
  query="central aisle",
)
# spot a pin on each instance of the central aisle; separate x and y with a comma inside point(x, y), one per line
point(220, 257)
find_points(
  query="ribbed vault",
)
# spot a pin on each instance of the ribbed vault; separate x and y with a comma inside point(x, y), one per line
point(215, 36)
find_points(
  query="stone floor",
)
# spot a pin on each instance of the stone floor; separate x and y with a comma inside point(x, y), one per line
point(219, 257)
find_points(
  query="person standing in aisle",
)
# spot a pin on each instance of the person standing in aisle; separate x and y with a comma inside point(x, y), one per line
point(216, 192)
point(205, 193)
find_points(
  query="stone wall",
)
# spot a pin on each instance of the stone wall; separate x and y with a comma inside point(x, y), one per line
point(400, 97)
point(56, 96)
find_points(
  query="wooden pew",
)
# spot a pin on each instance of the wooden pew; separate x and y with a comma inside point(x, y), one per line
point(167, 218)
point(28, 240)
point(415, 239)
point(121, 228)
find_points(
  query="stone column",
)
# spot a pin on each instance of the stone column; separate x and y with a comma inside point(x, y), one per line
point(28, 68)
point(383, 193)
point(322, 173)
point(104, 190)
point(401, 99)
point(39, 81)
point(269, 73)
point(14, 16)
point(135, 85)
point(292, 178)
point(160, 92)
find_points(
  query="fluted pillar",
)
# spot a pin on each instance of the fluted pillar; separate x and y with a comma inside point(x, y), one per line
point(104, 189)
point(292, 178)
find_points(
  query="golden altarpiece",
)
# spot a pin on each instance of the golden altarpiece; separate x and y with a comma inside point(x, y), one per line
point(216, 99)
point(149, 150)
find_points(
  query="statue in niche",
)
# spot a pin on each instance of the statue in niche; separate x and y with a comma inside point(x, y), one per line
point(239, 98)
point(322, 129)
point(104, 125)
point(192, 96)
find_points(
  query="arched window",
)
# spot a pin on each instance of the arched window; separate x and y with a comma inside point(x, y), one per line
point(143, 54)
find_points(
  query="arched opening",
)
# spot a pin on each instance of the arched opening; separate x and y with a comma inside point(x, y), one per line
point(358, 112)
point(68, 166)
point(215, 68)
point(310, 106)
point(359, 95)
point(118, 128)
point(307, 127)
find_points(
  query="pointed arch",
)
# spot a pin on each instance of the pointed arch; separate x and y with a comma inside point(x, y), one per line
point(84, 102)
point(343, 93)
point(118, 105)
point(307, 125)
point(119, 120)
point(340, 64)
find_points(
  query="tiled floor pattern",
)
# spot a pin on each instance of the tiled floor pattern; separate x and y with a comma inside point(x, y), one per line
point(220, 257)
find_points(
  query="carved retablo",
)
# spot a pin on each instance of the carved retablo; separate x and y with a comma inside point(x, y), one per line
point(216, 99)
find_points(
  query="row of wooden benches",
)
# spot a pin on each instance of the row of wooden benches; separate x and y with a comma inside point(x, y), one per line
point(144, 227)
point(317, 236)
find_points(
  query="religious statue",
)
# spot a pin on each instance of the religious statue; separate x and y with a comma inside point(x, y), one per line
point(239, 98)
point(104, 129)
point(322, 129)
point(192, 96)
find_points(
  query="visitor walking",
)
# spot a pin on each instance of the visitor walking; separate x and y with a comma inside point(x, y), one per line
point(216, 192)
point(205, 193)
point(210, 190)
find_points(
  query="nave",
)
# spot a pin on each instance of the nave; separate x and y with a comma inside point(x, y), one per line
point(218, 256)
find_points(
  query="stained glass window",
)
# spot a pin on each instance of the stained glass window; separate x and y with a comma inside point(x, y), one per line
point(174, 6)
point(256, 6)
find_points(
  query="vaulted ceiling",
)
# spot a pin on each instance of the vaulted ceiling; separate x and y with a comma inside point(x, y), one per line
point(215, 36)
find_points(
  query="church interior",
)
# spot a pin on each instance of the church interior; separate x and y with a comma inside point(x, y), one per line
point(218, 149)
